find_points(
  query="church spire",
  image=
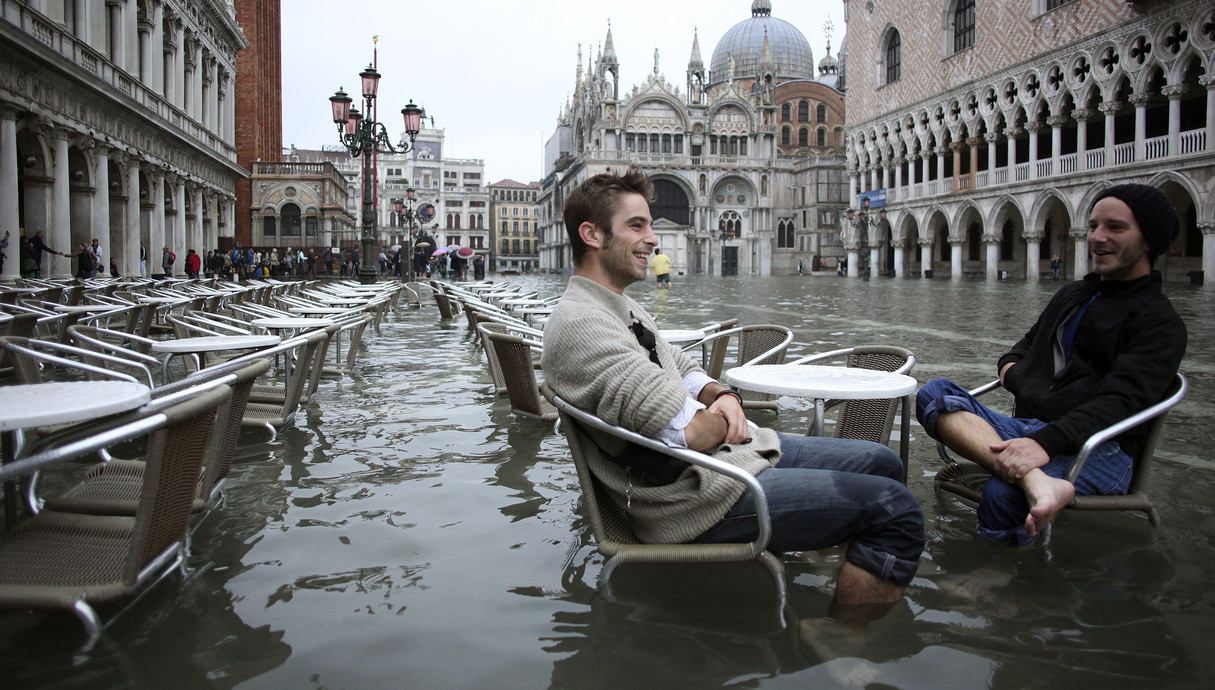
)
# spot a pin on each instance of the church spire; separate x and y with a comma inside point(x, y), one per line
point(695, 62)
point(609, 48)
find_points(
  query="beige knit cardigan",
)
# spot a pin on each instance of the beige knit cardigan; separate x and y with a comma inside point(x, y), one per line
point(594, 361)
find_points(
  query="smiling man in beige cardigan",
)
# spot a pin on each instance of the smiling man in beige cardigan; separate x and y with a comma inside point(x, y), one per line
point(602, 353)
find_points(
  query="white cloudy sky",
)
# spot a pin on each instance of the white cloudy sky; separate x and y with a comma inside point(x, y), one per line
point(495, 74)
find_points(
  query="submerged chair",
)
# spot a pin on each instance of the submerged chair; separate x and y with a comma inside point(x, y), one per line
point(869, 420)
point(72, 562)
point(614, 536)
point(762, 344)
point(114, 487)
point(276, 414)
point(966, 478)
point(514, 355)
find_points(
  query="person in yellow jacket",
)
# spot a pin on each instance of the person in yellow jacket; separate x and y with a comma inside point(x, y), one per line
point(662, 268)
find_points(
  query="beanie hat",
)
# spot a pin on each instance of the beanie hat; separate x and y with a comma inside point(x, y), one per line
point(1155, 215)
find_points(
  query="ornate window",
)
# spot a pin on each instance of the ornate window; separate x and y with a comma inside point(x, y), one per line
point(803, 137)
point(894, 56)
point(822, 137)
point(784, 234)
point(729, 225)
point(785, 136)
point(963, 25)
point(784, 112)
point(803, 111)
point(821, 113)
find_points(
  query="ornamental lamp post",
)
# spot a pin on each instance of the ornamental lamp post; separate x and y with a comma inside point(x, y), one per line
point(406, 215)
point(363, 136)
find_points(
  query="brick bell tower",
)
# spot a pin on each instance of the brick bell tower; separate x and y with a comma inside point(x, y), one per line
point(259, 96)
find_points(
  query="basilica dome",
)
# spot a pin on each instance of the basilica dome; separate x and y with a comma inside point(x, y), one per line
point(745, 42)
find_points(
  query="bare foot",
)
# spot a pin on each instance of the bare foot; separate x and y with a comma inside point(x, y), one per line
point(1047, 496)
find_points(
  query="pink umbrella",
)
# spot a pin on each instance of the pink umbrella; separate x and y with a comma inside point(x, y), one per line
point(464, 252)
point(439, 252)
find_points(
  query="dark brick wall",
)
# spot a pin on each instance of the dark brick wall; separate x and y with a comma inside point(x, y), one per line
point(259, 91)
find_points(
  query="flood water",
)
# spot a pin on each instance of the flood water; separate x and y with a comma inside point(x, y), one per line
point(408, 531)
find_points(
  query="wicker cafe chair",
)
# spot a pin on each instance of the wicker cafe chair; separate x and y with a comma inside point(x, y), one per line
point(276, 414)
point(761, 344)
point(352, 327)
point(966, 479)
point(515, 360)
point(869, 420)
point(446, 311)
point(277, 393)
point(71, 562)
point(114, 487)
point(614, 536)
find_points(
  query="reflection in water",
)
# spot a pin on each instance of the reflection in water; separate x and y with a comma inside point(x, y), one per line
point(409, 531)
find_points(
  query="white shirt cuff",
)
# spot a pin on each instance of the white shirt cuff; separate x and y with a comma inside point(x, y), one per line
point(672, 433)
point(695, 381)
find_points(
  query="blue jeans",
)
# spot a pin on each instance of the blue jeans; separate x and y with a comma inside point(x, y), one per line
point(1003, 506)
point(825, 491)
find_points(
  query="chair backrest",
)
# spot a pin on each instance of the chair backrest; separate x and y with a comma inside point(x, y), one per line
point(515, 359)
point(872, 420)
point(227, 426)
point(174, 460)
point(491, 354)
point(441, 299)
point(1141, 446)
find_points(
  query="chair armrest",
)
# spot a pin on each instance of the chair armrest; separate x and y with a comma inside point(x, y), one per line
point(687, 455)
point(1125, 425)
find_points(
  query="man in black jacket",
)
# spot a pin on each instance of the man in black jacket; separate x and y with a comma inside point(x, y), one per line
point(86, 266)
point(1104, 348)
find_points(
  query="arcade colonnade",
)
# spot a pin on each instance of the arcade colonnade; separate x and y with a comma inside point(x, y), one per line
point(117, 122)
point(999, 174)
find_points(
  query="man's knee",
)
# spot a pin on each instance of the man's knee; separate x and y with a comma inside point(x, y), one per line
point(934, 399)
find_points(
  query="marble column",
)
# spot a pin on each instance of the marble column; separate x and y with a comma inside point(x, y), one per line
point(955, 148)
point(176, 239)
point(101, 195)
point(1010, 137)
point(194, 238)
point(899, 245)
point(1032, 128)
point(1174, 93)
point(955, 259)
point(991, 138)
point(1140, 101)
point(1082, 116)
point(1079, 238)
point(925, 254)
point(60, 228)
point(1033, 248)
point(156, 231)
point(1208, 254)
point(1208, 80)
point(10, 217)
point(1110, 110)
point(128, 260)
point(991, 243)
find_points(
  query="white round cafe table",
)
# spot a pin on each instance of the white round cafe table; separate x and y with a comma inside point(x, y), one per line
point(680, 335)
point(317, 311)
point(208, 343)
point(31, 405)
point(825, 383)
point(287, 323)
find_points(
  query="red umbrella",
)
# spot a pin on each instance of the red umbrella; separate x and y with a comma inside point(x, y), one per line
point(464, 252)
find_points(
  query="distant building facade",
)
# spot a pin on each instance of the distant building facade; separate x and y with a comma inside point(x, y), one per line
point(748, 163)
point(514, 226)
point(989, 127)
point(455, 187)
point(117, 122)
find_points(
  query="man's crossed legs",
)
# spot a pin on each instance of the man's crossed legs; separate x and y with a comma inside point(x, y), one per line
point(1014, 510)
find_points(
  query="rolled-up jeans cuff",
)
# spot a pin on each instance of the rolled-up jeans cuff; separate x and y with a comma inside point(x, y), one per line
point(883, 565)
point(929, 413)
